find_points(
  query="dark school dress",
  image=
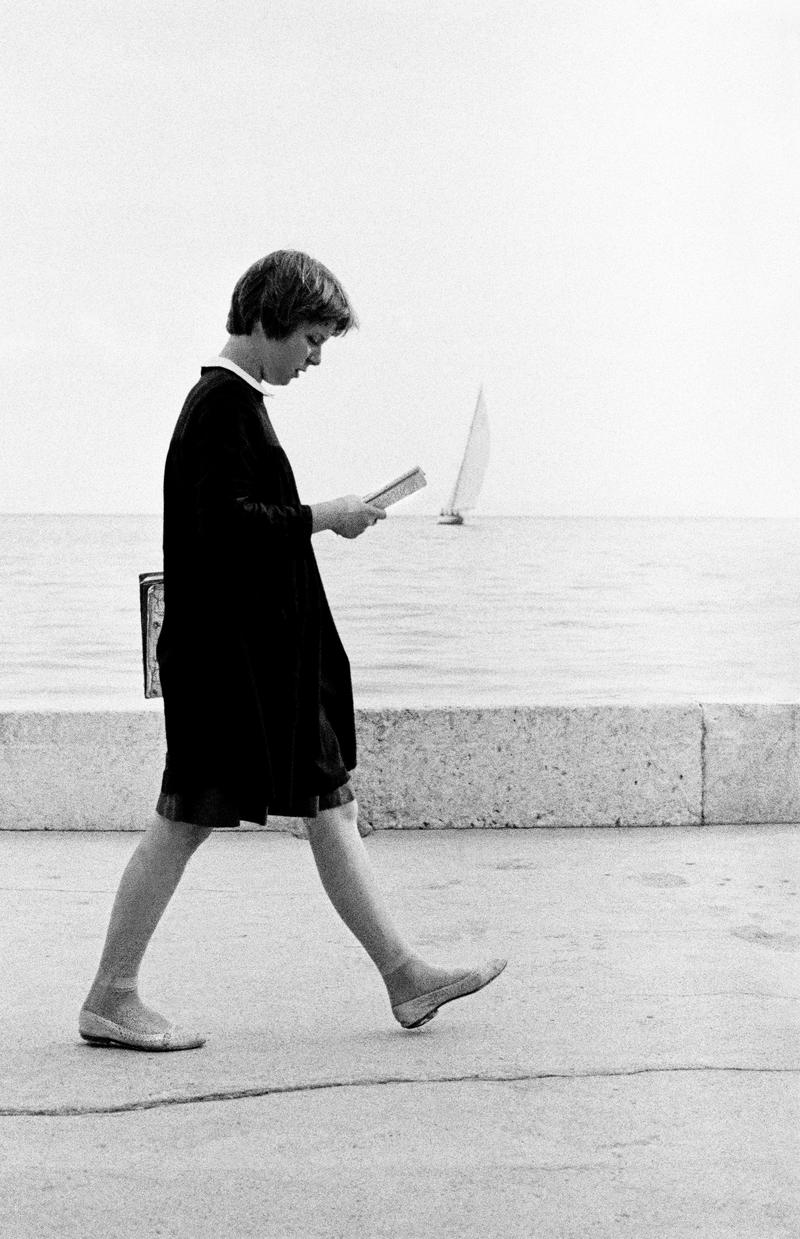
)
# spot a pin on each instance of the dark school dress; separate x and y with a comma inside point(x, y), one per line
point(258, 701)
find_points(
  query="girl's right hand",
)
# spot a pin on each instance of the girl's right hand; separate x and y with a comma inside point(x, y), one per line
point(351, 516)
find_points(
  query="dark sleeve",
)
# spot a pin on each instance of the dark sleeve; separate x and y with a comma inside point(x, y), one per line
point(243, 489)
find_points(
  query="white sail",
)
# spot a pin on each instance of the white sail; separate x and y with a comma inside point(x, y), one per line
point(476, 458)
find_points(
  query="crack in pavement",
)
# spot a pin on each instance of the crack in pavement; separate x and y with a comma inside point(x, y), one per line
point(723, 993)
point(271, 1090)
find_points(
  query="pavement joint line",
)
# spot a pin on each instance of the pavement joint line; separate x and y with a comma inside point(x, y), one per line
point(703, 764)
point(245, 1094)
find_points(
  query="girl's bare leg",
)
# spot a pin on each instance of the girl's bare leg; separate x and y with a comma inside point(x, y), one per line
point(351, 886)
point(146, 887)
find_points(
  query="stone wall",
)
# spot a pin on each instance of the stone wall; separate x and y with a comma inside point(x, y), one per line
point(526, 767)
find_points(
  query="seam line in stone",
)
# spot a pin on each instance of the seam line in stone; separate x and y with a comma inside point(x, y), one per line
point(703, 730)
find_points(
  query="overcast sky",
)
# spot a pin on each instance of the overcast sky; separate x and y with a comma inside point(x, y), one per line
point(592, 207)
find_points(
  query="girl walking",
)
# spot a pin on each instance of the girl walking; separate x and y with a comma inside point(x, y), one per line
point(258, 703)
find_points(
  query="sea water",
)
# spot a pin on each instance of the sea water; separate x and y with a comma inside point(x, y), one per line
point(499, 611)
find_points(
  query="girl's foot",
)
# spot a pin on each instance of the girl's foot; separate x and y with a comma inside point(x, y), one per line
point(118, 1017)
point(417, 990)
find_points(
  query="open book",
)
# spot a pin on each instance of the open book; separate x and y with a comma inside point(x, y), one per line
point(405, 485)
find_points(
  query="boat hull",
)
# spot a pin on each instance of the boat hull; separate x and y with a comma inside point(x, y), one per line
point(450, 518)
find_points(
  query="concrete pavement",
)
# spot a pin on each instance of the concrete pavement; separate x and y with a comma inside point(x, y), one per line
point(634, 1072)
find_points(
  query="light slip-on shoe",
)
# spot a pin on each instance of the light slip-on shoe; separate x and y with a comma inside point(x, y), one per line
point(417, 1011)
point(99, 1031)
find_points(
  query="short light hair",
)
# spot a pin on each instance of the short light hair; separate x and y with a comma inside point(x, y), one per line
point(285, 289)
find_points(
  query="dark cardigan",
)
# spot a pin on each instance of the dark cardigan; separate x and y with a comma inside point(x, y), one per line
point(258, 703)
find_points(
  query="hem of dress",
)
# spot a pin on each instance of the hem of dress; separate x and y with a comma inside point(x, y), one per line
point(214, 808)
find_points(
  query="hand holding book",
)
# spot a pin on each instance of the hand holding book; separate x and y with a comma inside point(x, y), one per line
point(350, 515)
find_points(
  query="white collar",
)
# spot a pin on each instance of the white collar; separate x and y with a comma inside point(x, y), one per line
point(225, 363)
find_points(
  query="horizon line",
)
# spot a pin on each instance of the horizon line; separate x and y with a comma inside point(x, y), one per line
point(542, 516)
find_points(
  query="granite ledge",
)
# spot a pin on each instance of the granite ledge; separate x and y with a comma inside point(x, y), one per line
point(544, 766)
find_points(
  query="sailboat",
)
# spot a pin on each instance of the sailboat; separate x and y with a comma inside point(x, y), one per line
point(473, 467)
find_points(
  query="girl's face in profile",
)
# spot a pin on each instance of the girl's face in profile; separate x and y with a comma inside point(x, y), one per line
point(282, 360)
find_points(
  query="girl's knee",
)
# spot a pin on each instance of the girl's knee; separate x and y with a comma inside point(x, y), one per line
point(180, 836)
point(349, 812)
point(342, 817)
point(198, 835)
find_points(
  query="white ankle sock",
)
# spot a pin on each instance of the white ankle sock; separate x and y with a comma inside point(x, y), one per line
point(121, 984)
